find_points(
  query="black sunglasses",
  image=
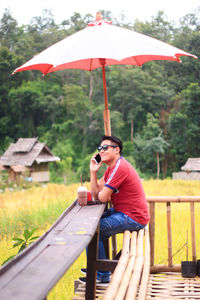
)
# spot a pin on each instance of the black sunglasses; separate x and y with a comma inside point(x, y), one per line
point(105, 147)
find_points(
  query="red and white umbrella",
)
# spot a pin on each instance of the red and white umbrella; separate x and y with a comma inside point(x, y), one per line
point(98, 45)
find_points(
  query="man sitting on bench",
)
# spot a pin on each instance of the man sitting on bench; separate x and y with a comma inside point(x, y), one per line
point(122, 186)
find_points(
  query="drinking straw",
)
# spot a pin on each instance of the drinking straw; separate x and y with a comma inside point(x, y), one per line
point(81, 180)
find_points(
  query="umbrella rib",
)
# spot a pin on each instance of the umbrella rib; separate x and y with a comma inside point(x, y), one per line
point(137, 62)
point(48, 70)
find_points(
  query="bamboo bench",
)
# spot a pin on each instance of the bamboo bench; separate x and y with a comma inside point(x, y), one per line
point(130, 272)
point(133, 267)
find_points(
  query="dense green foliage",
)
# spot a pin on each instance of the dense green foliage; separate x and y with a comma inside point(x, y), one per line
point(154, 109)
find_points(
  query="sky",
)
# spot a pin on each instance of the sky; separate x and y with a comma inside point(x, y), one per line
point(24, 10)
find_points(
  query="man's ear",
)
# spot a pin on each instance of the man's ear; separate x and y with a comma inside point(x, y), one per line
point(117, 150)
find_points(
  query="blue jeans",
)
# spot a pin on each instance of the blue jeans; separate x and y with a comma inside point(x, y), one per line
point(111, 223)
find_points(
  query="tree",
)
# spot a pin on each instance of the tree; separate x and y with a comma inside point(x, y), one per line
point(63, 170)
point(30, 104)
point(158, 146)
point(148, 142)
point(8, 62)
point(43, 23)
point(159, 27)
point(184, 124)
point(8, 31)
point(186, 37)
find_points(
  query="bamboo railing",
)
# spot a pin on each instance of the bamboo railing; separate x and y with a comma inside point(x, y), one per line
point(168, 200)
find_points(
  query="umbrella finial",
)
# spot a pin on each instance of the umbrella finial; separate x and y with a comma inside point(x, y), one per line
point(99, 20)
point(98, 16)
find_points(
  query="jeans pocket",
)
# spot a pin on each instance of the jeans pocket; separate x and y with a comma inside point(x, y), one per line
point(133, 225)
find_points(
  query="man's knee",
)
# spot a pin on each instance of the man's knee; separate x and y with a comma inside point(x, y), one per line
point(105, 229)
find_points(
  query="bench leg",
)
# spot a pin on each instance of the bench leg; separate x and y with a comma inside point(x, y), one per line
point(92, 256)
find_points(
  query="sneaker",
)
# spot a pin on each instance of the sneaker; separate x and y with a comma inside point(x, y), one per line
point(98, 282)
point(84, 271)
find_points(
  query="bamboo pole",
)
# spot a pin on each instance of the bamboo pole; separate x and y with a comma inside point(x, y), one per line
point(152, 230)
point(129, 269)
point(192, 214)
point(163, 199)
point(169, 234)
point(107, 126)
point(165, 268)
point(119, 270)
point(107, 131)
point(135, 279)
point(146, 268)
point(114, 246)
point(187, 247)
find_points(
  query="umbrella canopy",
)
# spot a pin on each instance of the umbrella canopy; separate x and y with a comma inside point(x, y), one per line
point(98, 45)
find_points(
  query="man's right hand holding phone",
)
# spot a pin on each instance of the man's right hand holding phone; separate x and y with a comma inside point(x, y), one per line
point(95, 163)
point(97, 158)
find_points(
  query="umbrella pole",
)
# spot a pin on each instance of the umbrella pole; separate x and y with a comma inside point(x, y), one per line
point(107, 130)
point(107, 127)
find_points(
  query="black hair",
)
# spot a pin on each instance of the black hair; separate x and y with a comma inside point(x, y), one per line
point(113, 139)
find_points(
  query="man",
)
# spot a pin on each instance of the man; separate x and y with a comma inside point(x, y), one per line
point(122, 186)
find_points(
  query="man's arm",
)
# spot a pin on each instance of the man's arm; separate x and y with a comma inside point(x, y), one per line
point(98, 189)
point(95, 187)
point(105, 194)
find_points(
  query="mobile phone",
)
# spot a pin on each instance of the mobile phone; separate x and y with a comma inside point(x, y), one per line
point(97, 158)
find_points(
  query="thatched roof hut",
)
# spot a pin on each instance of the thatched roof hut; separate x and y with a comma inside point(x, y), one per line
point(192, 165)
point(190, 171)
point(28, 154)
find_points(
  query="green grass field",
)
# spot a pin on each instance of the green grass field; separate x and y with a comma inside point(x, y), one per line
point(40, 207)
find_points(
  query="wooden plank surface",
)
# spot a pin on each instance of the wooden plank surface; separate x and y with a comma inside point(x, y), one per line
point(34, 272)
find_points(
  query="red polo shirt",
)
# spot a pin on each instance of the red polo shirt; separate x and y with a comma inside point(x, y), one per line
point(128, 196)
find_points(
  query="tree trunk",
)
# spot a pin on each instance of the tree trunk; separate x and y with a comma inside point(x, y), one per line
point(158, 164)
point(65, 178)
point(132, 130)
point(91, 86)
point(164, 167)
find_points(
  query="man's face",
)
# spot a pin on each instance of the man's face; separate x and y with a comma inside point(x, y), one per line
point(111, 153)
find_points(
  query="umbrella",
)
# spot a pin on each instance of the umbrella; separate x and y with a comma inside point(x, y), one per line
point(98, 45)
